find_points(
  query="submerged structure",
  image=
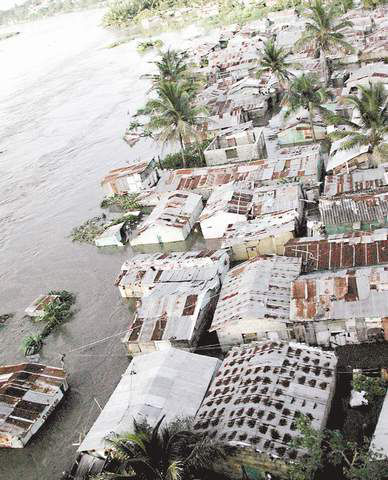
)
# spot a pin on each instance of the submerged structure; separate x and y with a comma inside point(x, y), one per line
point(29, 392)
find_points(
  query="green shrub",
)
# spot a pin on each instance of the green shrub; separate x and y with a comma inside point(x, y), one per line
point(193, 154)
point(32, 344)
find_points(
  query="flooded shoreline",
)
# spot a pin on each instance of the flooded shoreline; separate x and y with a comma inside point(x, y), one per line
point(65, 100)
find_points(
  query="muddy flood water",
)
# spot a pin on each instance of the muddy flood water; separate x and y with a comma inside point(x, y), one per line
point(64, 101)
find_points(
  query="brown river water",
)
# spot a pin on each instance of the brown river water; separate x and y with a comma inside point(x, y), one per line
point(64, 103)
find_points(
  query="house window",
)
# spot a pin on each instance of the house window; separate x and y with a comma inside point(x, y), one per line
point(249, 337)
point(231, 153)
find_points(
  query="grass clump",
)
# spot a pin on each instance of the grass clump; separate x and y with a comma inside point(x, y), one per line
point(56, 313)
point(124, 203)
point(147, 45)
point(88, 231)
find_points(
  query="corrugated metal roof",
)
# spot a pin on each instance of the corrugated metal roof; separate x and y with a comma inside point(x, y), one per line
point(144, 271)
point(261, 388)
point(169, 382)
point(259, 288)
point(131, 169)
point(344, 294)
point(28, 392)
point(357, 249)
point(371, 179)
point(354, 208)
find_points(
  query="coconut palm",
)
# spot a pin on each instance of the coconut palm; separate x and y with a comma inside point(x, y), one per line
point(306, 92)
point(173, 115)
point(168, 453)
point(322, 31)
point(274, 62)
point(370, 128)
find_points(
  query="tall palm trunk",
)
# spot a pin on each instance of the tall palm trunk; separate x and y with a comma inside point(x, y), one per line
point(182, 151)
point(311, 122)
point(324, 66)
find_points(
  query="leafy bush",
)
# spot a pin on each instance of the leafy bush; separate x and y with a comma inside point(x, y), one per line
point(148, 45)
point(125, 203)
point(32, 344)
point(173, 161)
point(374, 387)
point(121, 12)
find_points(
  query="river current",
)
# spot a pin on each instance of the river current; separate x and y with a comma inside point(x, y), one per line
point(65, 101)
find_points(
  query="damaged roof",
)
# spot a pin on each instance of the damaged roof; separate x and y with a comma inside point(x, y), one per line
point(356, 249)
point(28, 394)
point(258, 288)
point(344, 294)
point(370, 179)
point(131, 169)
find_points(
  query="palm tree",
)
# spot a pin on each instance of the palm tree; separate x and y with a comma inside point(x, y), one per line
point(173, 115)
point(168, 453)
point(371, 125)
point(306, 92)
point(344, 5)
point(274, 62)
point(322, 30)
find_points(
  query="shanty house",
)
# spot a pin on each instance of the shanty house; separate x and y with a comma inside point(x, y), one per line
point(174, 314)
point(29, 393)
point(344, 161)
point(171, 220)
point(169, 383)
point(242, 146)
point(226, 116)
point(254, 301)
point(335, 308)
point(299, 132)
point(141, 273)
point(265, 235)
point(231, 204)
point(354, 212)
point(335, 252)
point(255, 398)
point(372, 179)
point(131, 179)
point(37, 307)
point(114, 235)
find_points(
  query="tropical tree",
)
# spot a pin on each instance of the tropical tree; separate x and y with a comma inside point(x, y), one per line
point(344, 5)
point(330, 447)
point(322, 31)
point(306, 92)
point(174, 116)
point(370, 128)
point(171, 452)
point(274, 62)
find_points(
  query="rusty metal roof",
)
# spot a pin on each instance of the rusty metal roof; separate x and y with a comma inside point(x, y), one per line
point(28, 393)
point(343, 294)
point(131, 169)
point(354, 208)
point(356, 249)
point(371, 179)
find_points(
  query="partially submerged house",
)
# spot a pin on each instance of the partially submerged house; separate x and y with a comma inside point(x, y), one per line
point(174, 314)
point(170, 383)
point(238, 146)
point(231, 204)
point(336, 308)
point(112, 236)
point(255, 398)
point(365, 180)
point(141, 273)
point(356, 249)
point(254, 301)
point(354, 212)
point(265, 235)
point(29, 393)
point(171, 220)
point(131, 179)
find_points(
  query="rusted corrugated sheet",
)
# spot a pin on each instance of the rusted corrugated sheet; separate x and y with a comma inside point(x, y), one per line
point(358, 249)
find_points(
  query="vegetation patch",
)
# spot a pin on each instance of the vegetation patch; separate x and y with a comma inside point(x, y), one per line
point(192, 154)
point(56, 313)
point(4, 318)
point(147, 45)
point(124, 203)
